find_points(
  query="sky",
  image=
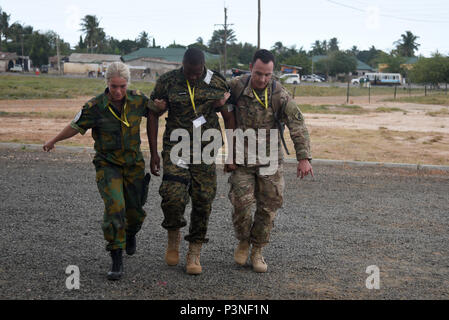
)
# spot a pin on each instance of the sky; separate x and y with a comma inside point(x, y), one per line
point(299, 23)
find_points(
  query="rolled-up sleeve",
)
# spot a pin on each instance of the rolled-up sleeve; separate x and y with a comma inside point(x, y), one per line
point(84, 120)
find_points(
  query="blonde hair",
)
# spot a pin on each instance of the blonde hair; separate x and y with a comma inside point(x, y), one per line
point(118, 69)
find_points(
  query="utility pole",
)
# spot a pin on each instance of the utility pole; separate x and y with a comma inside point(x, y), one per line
point(58, 54)
point(225, 38)
point(258, 25)
point(23, 66)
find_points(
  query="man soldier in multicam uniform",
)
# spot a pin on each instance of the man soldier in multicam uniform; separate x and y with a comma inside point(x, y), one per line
point(192, 95)
point(259, 100)
point(114, 117)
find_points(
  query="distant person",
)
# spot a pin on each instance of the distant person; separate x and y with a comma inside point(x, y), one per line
point(192, 95)
point(259, 101)
point(114, 117)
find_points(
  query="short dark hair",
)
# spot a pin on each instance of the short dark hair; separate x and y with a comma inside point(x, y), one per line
point(194, 57)
point(264, 55)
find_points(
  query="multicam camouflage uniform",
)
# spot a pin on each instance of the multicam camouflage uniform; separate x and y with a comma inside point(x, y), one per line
point(118, 162)
point(248, 184)
point(197, 180)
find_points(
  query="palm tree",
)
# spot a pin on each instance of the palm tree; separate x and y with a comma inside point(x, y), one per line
point(143, 40)
point(216, 43)
point(4, 26)
point(407, 45)
point(90, 25)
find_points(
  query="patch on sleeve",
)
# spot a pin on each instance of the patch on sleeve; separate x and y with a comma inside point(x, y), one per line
point(78, 116)
point(208, 76)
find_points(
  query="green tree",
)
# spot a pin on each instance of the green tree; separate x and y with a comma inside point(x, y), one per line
point(199, 44)
point(336, 63)
point(94, 35)
point(216, 43)
point(434, 70)
point(4, 26)
point(407, 45)
point(394, 63)
point(143, 40)
point(333, 45)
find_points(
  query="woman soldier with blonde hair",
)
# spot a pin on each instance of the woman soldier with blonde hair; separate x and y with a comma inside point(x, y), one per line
point(114, 117)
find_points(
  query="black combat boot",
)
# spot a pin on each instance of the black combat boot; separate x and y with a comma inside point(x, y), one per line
point(130, 244)
point(117, 265)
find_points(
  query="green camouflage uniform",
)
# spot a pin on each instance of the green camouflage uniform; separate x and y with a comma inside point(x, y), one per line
point(248, 185)
point(199, 181)
point(119, 163)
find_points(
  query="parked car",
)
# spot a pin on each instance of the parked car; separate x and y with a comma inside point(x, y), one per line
point(358, 81)
point(44, 68)
point(16, 68)
point(290, 78)
point(312, 78)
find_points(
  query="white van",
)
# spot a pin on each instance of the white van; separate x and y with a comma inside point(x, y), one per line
point(291, 78)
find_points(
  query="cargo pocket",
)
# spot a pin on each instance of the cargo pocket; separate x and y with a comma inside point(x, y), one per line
point(145, 188)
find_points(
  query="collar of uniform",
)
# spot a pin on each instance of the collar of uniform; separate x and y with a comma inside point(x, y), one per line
point(183, 78)
point(249, 90)
point(105, 98)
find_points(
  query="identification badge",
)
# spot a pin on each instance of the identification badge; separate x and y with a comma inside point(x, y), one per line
point(208, 76)
point(198, 122)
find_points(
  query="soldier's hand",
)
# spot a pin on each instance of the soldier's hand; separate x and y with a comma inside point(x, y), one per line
point(155, 164)
point(161, 104)
point(48, 145)
point(304, 168)
point(222, 101)
point(229, 167)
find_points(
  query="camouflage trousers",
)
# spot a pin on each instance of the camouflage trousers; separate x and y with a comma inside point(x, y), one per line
point(248, 186)
point(122, 190)
point(198, 182)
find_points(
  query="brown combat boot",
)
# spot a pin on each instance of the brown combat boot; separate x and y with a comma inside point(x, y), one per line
point(172, 253)
point(241, 252)
point(257, 260)
point(193, 258)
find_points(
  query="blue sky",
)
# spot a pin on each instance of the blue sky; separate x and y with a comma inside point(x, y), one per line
point(293, 22)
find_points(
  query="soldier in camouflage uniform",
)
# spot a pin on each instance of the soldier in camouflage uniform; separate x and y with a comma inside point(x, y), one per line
point(114, 117)
point(257, 100)
point(189, 93)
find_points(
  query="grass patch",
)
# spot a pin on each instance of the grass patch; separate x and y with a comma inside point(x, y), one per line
point(442, 112)
point(333, 109)
point(46, 115)
point(331, 91)
point(387, 110)
point(438, 99)
point(49, 87)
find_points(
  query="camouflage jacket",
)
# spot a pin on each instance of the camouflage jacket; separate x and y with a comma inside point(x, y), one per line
point(172, 87)
point(114, 141)
point(250, 114)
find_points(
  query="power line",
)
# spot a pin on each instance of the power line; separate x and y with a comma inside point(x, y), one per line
point(387, 15)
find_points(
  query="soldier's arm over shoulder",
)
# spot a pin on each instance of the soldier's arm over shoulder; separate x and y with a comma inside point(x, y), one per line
point(299, 134)
point(85, 118)
point(160, 92)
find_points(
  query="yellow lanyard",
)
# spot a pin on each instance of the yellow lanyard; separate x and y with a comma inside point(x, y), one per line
point(260, 101)
point(192, 95)
point(126, 123)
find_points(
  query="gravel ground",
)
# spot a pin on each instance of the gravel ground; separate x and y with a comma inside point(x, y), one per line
point(329, 231)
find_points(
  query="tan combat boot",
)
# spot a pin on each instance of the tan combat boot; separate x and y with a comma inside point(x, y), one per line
point(172, 253)
point(257, 260)
point(193, 258)
point(241, 252)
